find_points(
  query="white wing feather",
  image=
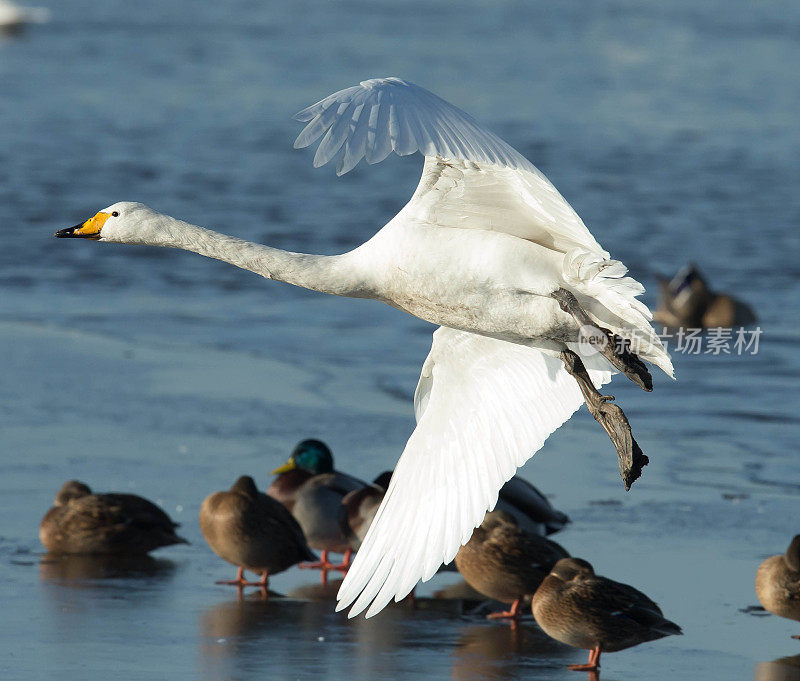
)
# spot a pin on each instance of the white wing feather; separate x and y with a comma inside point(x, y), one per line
point(484, 407)
point(383, 115)
point(502, 189)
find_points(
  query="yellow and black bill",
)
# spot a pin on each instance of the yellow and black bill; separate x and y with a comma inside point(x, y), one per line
point(86, 230)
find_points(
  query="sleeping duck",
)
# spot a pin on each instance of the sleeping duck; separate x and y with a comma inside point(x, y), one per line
point(778, 583)
point(577, 607)
point(252, 531)
point(506, 563)
point(114, 523)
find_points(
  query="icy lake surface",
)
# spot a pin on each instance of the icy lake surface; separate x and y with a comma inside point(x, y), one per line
point(670, 127)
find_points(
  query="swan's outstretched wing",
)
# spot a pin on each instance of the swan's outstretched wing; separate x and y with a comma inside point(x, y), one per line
point(474, 180)
point(484, 406)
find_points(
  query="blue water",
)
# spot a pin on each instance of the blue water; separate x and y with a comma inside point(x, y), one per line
point(670, 127)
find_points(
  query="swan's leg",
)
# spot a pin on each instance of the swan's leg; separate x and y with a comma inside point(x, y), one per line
point(615, 349)
point(611, 417)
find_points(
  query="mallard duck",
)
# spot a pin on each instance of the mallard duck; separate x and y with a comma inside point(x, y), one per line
point(577, 607)
point(686, 300)
point(778, 582)
point(83, 522)
point(252, 531)
point(505, 563)
point(312, 490)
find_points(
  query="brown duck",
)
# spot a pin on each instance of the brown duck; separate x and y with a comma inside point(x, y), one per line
point(252, 531)
point(581, 609)
point(686, 300)
point(114, 523)
point(778, 583)
point(506, 563)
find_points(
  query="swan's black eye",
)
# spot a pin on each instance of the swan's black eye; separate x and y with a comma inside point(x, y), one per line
point(115, 214)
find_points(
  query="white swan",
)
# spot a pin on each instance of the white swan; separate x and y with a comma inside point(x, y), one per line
point(490, 251)
point(13, 16)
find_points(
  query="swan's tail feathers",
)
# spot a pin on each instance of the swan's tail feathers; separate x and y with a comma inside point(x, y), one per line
point(611, 298)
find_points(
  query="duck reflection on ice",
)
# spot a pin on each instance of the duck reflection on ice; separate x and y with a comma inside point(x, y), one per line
point(83, 571)
point(238, 636)
point(488, 651)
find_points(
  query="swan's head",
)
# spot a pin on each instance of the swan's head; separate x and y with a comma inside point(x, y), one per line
point(125, 222)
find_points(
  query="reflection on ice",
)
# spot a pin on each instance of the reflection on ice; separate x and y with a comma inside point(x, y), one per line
point(83, 571)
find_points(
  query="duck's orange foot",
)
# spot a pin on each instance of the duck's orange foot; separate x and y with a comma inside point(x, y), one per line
point(514, 614)
point(241, 582)
point(238, 582)
point(324, 564)
point(592, 666)
point(584, 667)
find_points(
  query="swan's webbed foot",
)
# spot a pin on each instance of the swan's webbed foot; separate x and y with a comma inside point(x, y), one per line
point(615, 348)
point(611, 417)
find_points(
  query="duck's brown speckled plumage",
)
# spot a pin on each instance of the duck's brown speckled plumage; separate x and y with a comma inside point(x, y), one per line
point(81, 522)
point(503, 561)
point(778, 582)
point(251, 530)
point(584, 610)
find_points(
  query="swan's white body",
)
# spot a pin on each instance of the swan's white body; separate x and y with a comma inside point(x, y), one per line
point(12, 15)
point(478, 250)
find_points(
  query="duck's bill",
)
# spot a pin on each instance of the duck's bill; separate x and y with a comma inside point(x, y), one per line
point(86, 230)
point(288, 466)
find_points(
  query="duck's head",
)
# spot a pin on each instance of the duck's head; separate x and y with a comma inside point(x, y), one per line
point(686, 295)
point(792, 555)
point(497, 518)
point(124, 222)
point(312, 456)
point(72, 489)
point(245, 485)
point(568, 569)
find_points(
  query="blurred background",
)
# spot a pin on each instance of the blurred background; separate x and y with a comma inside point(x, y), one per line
point(671, 127)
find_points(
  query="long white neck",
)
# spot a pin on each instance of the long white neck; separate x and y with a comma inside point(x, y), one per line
point(341, 275)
